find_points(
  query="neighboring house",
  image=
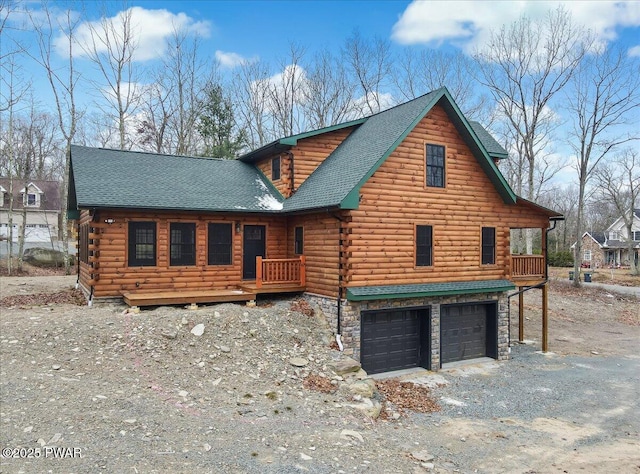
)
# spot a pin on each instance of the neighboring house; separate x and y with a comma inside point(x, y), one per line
point(397, 225)
point(611, 247)
point(41, 200)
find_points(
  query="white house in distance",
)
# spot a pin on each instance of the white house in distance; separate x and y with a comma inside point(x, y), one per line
point(41, 200)
point(611, 247)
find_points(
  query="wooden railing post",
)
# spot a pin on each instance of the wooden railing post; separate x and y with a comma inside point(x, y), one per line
point(303, 271)
point(258, 272)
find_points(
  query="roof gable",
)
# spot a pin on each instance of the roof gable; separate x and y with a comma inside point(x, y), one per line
point(286, 143)
point(337, 181)
point(104, 178)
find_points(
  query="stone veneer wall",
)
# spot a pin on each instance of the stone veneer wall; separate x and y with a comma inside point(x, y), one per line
point(350, 318)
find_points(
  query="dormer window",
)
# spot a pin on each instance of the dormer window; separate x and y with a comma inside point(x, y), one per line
point(31, 195)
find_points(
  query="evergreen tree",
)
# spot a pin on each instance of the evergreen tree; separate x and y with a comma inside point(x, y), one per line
point(218, 128)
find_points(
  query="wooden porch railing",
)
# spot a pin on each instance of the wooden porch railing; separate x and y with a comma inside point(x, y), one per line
point(524, 266)
point(280, 271)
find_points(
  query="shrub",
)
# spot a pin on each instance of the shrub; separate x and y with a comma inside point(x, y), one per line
point(560, 259)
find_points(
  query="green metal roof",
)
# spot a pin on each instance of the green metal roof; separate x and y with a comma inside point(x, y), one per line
point(366, 293)
point(105, 178)
point(338, 179)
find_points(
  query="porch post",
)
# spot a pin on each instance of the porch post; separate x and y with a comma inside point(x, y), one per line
point(258, 271)
point(545, 318)
point(303, 271)
point(520, 316)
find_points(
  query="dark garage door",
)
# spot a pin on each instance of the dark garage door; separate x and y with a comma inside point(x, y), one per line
point(468, 331)
point(394, 340)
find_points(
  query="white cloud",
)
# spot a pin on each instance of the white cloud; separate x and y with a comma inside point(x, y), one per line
point(150, 29)
point(468, 23)
point(230, 60)
point(634, 52)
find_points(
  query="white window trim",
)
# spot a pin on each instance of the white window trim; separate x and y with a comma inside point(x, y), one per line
point(587, 255)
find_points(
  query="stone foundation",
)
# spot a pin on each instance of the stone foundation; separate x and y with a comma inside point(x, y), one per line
point(350, 318)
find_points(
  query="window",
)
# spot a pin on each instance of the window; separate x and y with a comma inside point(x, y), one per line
point(488, 245)
point(275, 168)
point(636, 235)
point(298, 238)
point(587, 255)
point(142, 244)
point(424, 245)
point(220, 244)
point(182, 243)
point(613, 235)
point(435, 166)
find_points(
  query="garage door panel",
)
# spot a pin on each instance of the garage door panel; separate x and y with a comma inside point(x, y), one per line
point(465, 330)
point(391, 340)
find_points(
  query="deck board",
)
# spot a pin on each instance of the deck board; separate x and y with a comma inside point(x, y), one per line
point(158, 298)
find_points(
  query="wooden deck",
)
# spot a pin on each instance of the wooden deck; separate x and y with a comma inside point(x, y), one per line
point(158, 298)
point(246, 292)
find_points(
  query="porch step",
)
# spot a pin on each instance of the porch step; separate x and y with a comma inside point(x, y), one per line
point(159, 298)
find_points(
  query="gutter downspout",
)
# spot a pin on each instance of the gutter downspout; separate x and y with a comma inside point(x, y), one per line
point(78, 257)
point(340, 255)
point(539, 285)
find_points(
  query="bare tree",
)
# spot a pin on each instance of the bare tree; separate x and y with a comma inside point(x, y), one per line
point(250, 88)
point(605, 93)
point(112, 49)
point(328, 93)
point(417, 73)
point(370, 64)
point(525, 65)
point(12, 91)
point(286, 92)
point(172, 103)
point(63, 82)
point(619, 182)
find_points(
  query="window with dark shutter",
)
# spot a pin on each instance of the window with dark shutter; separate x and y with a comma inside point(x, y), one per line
point(275, 168)
point(435, 166)
point(182, 243)
point(488, 245)
point(142, 244)
point(424, 245)
point(298, 244)
point(220, 244)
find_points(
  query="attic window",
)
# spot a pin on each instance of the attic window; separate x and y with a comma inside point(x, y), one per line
point(636, 235)
point(435, 166)
point(275, 169)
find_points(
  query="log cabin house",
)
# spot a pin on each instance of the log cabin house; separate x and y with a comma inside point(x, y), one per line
point(397, 225)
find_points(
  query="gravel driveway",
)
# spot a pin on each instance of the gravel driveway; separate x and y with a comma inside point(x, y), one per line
point(111, 391)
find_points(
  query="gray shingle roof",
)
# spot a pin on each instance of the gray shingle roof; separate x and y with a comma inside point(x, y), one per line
point(494, 148)
point(336, 182)
point(105, 178)
point(114, 178)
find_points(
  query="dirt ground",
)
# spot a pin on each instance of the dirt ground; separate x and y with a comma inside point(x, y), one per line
point(104, 390)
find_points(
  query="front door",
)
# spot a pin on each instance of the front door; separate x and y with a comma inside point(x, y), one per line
point(253, 246)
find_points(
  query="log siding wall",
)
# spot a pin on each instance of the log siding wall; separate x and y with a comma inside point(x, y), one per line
point(115, 276)
point(307, 156)
point(381, 244)
point(321, 251)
